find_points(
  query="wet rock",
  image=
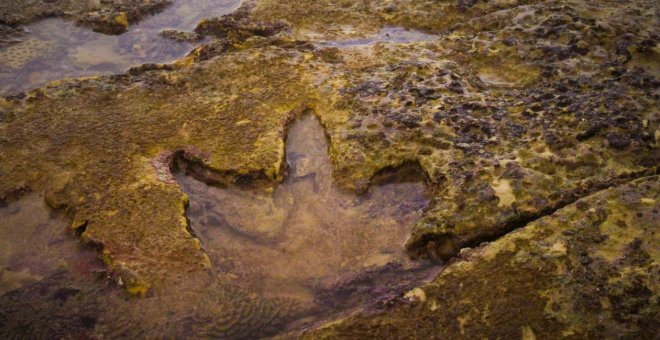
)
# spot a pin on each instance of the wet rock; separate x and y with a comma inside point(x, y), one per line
point(239, 24)
point(465, 4)
point(618, 141)
point(510, 114)
point(163, 197)
point(135, 71)
point(177, 35)
point(510, 41)
point(10, 35)
point(20, 53)
point(569, 282)
point(591, 131)
point(110, 17)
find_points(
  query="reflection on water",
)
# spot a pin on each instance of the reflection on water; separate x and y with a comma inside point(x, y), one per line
point(55, 48)
point(36, 243)
point(307, 240)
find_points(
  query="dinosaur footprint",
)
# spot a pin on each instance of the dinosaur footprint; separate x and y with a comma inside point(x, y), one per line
point(308, 240)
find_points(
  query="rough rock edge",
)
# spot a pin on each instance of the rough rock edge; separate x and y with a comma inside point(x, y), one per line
point(362, 322)
point(440, 245)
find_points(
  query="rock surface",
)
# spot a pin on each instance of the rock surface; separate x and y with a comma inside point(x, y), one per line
point(515, 110)
point(586, 271)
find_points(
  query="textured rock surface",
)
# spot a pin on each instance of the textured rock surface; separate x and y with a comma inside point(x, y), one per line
point(512, 121)
point(514, 110)
point(586, 271)
point(105, 140)
point(560, 127)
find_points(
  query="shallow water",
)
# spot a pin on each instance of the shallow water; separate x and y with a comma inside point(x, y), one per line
point(55, 49)
point(284, 260)
point(307, 240)
point(37, 243)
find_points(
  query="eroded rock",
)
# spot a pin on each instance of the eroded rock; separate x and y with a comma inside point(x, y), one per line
point(513, 111)
point(588, 270)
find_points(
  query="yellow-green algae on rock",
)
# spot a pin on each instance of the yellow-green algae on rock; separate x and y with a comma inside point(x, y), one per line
point(343, 18)
point(509, 119)
point(96, 147)
point(589, 270)
point(498, 155)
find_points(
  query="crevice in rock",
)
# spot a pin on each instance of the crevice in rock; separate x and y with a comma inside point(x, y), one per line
point(410, 170)
point(446, 246)
point(13, 195)
point(181, 161)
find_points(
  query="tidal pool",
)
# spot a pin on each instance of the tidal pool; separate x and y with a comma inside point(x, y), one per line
point(36, 243)
point(309, 241)
point(55, 48)
point(285, 259)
